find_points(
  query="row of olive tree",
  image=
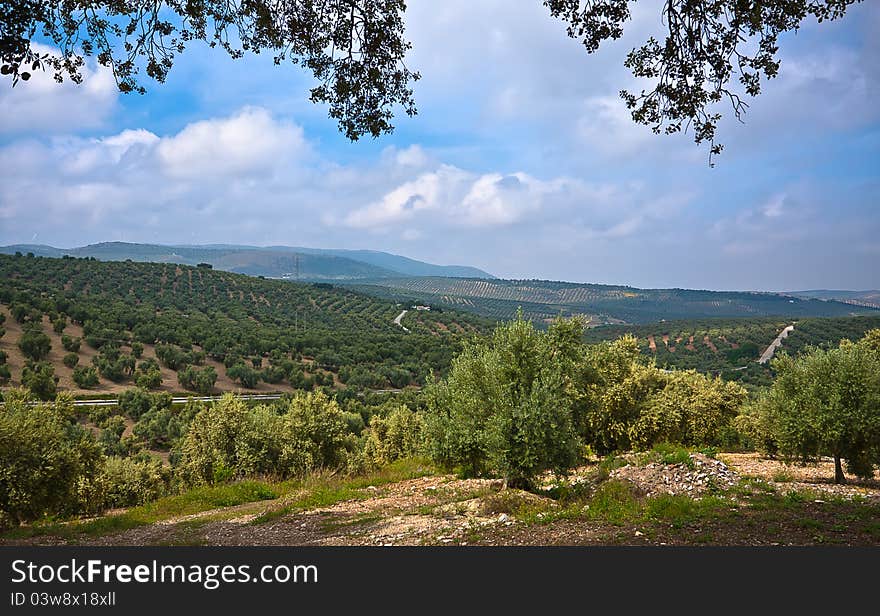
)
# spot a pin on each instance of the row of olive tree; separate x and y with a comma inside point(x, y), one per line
point(525, 401)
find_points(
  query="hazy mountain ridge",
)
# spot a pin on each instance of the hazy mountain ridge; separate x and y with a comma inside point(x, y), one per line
point(272, 261)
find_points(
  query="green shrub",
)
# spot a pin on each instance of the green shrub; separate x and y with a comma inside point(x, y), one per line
point(227, 440)
point(70, 344)
point(46, 461)
point(201, 381)
point(40, 378)
point(71, 360)
point(126, 482)
point(614, 387)
point(160, 427)
point(85, 377)
point(110, 438)
point(136, 402)
point(34, 344)
point(398, 435)
point(691, 409)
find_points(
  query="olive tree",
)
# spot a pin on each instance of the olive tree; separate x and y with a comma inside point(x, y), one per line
point(45, 459)
point(505, 408)
point(827, 403)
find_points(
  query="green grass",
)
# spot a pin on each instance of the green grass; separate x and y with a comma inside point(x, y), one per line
point(311, 492)
point(323, 491)
point(669, 453)
point(190, 502)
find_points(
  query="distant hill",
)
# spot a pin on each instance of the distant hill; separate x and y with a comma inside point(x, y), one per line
point(273, 262)
point(603, 304)
point(858, 298)
point(397, 263)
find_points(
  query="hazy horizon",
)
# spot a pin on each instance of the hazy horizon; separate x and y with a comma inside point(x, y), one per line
point(552, 279)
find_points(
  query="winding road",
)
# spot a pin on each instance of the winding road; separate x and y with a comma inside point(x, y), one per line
point(771, 350)
point(398, 323)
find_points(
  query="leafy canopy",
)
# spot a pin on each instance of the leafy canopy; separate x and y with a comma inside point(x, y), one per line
point(827, 402)
point(356, 48)
point(706, 48)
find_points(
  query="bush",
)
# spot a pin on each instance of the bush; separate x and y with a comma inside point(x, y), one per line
point(34, 344)
point(691, 409)
point(71, 360)
point(201, 381)
point(399, 435)
point(45, 460)
point(137, 402)
point(160, 427)
point(149, 379)
point(126, 482)
point(227, 440)
point(40, 378)
point(245, 375)
point(5, 374)
point(613, 389)
point(110, 438)
point(84, 377)
point(70, 344)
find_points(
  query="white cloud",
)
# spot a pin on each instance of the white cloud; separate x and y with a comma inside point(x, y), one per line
point(42, 106)
point(249, 142)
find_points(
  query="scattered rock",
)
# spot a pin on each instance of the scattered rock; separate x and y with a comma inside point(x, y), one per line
point(693, 478)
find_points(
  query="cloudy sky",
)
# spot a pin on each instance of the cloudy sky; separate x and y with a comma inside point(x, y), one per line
point(522, 160)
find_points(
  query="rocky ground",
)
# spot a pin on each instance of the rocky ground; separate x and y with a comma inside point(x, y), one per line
point(736, 499)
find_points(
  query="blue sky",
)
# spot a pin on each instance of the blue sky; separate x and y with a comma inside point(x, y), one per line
point(521, 161)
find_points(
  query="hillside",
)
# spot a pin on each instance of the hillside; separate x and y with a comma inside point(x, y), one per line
point(857, 298)
point(255, 334)
point(603, 304)
point(731, 347)
point(271, 262)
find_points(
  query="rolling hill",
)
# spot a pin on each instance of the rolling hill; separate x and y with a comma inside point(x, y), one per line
point(857, 298)
point(602, 304)
point(271, 262)
point(282, 335)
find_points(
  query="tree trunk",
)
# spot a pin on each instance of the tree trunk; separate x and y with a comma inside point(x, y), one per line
point(838, 470)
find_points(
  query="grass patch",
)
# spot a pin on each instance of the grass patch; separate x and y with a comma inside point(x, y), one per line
point(608, 464)
point(193, 501)
point(336, 524)
point(323, 491)
point(317, 491)
point(668, 453)
point(783, 475)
